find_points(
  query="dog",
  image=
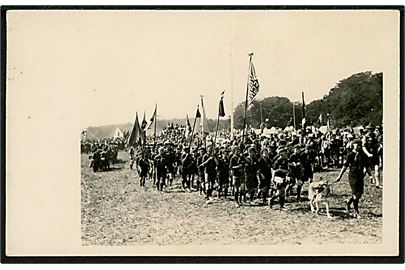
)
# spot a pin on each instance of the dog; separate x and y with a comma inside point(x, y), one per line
point(318, 193)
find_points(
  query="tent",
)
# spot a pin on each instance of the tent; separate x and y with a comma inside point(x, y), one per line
point(268, 132)
point(118, 133)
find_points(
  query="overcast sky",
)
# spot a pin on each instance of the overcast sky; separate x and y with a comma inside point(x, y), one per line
point(123, 62)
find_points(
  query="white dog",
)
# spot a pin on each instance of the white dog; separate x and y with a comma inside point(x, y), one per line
point(318, 193)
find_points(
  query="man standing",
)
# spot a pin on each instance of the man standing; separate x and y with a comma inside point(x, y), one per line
point(251, 173)
point(186, 163)
point(279, 178)
point(237, 167)
point(356, 161)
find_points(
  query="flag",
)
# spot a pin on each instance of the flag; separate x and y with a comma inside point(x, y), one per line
point(303, 111)
point(198, 114)
point(328, 120)
point(135, 134)
point(152, 120)
point(253, 84)
point(221, 109)
point(144, 123)
point(204, 120)
point(188, 128)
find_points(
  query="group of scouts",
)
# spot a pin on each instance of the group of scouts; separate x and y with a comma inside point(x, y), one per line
point(102, 156)
point(267, 169)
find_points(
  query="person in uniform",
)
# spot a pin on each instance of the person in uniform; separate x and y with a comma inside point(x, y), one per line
point(356, 161)
point(160, 163)
point(251, 167)
point(186, 167)
point(201, 174)
point(170, 156)
point(223, 172)
point(236, 167)
point(143, 167)
point(370, 148)
point(264, 172)
point(295, 171)
point(279, 178)
point(208, 163)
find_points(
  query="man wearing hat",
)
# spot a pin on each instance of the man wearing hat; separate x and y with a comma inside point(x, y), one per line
point(251, 167)
point(279, 178)
point(370, 148)
point(264, 173)
point(201, 174)
point(356, 161)
point(209, 165)
point(236, 167)
point(160, 163)
point(186, 165)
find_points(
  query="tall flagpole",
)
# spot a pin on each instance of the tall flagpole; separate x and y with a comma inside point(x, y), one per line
point(154, 130)
point(261, 114)
point(246, 100)
point(295, 126)
point(232, 119)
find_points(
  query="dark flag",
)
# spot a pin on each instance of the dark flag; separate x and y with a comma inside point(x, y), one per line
point(144, 123)
point(143, 129)
point(188, 128)
point(198, 114)
point(221, 110)
point(303, 111)
point(134, 137)
point(253, 84)
point(152, 119)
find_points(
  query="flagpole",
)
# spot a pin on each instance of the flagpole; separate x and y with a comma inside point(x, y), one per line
point(246, 100)
point(261, 114)
point(303, 114)
point(192, 132)
point(154, 130)
point(295, 125)
point(232, 119)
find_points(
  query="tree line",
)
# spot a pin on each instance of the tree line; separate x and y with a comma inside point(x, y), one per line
point(354, 101)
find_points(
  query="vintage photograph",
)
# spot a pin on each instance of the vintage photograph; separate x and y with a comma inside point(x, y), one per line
point(204, 132)
point(232, 128)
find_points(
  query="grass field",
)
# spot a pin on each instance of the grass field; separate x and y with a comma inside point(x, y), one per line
point(117, 211)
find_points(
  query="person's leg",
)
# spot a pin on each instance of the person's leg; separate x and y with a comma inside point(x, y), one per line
point(273, 197)
point(377, 176)
point(299, 188)
point(348, 203)
point(356, 204)
point(282, 197)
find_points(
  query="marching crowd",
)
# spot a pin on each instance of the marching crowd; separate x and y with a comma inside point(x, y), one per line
point(266, 168)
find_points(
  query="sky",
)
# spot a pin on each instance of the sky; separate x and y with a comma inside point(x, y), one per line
point(122, 62)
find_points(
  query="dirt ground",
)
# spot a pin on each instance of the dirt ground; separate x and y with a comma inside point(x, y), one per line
point(117, 211)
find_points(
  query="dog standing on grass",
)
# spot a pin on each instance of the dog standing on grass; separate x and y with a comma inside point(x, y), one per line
point(318, 193)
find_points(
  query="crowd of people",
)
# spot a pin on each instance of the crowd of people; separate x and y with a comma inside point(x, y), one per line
point(255, 167)
point(103, 152)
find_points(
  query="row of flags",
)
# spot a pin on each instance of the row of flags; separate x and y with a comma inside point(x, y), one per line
point(138, 133)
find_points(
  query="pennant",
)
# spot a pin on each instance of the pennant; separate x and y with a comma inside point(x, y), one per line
point(144, 123)
point(221, 109)
point(198, 114)
point(134, 137)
